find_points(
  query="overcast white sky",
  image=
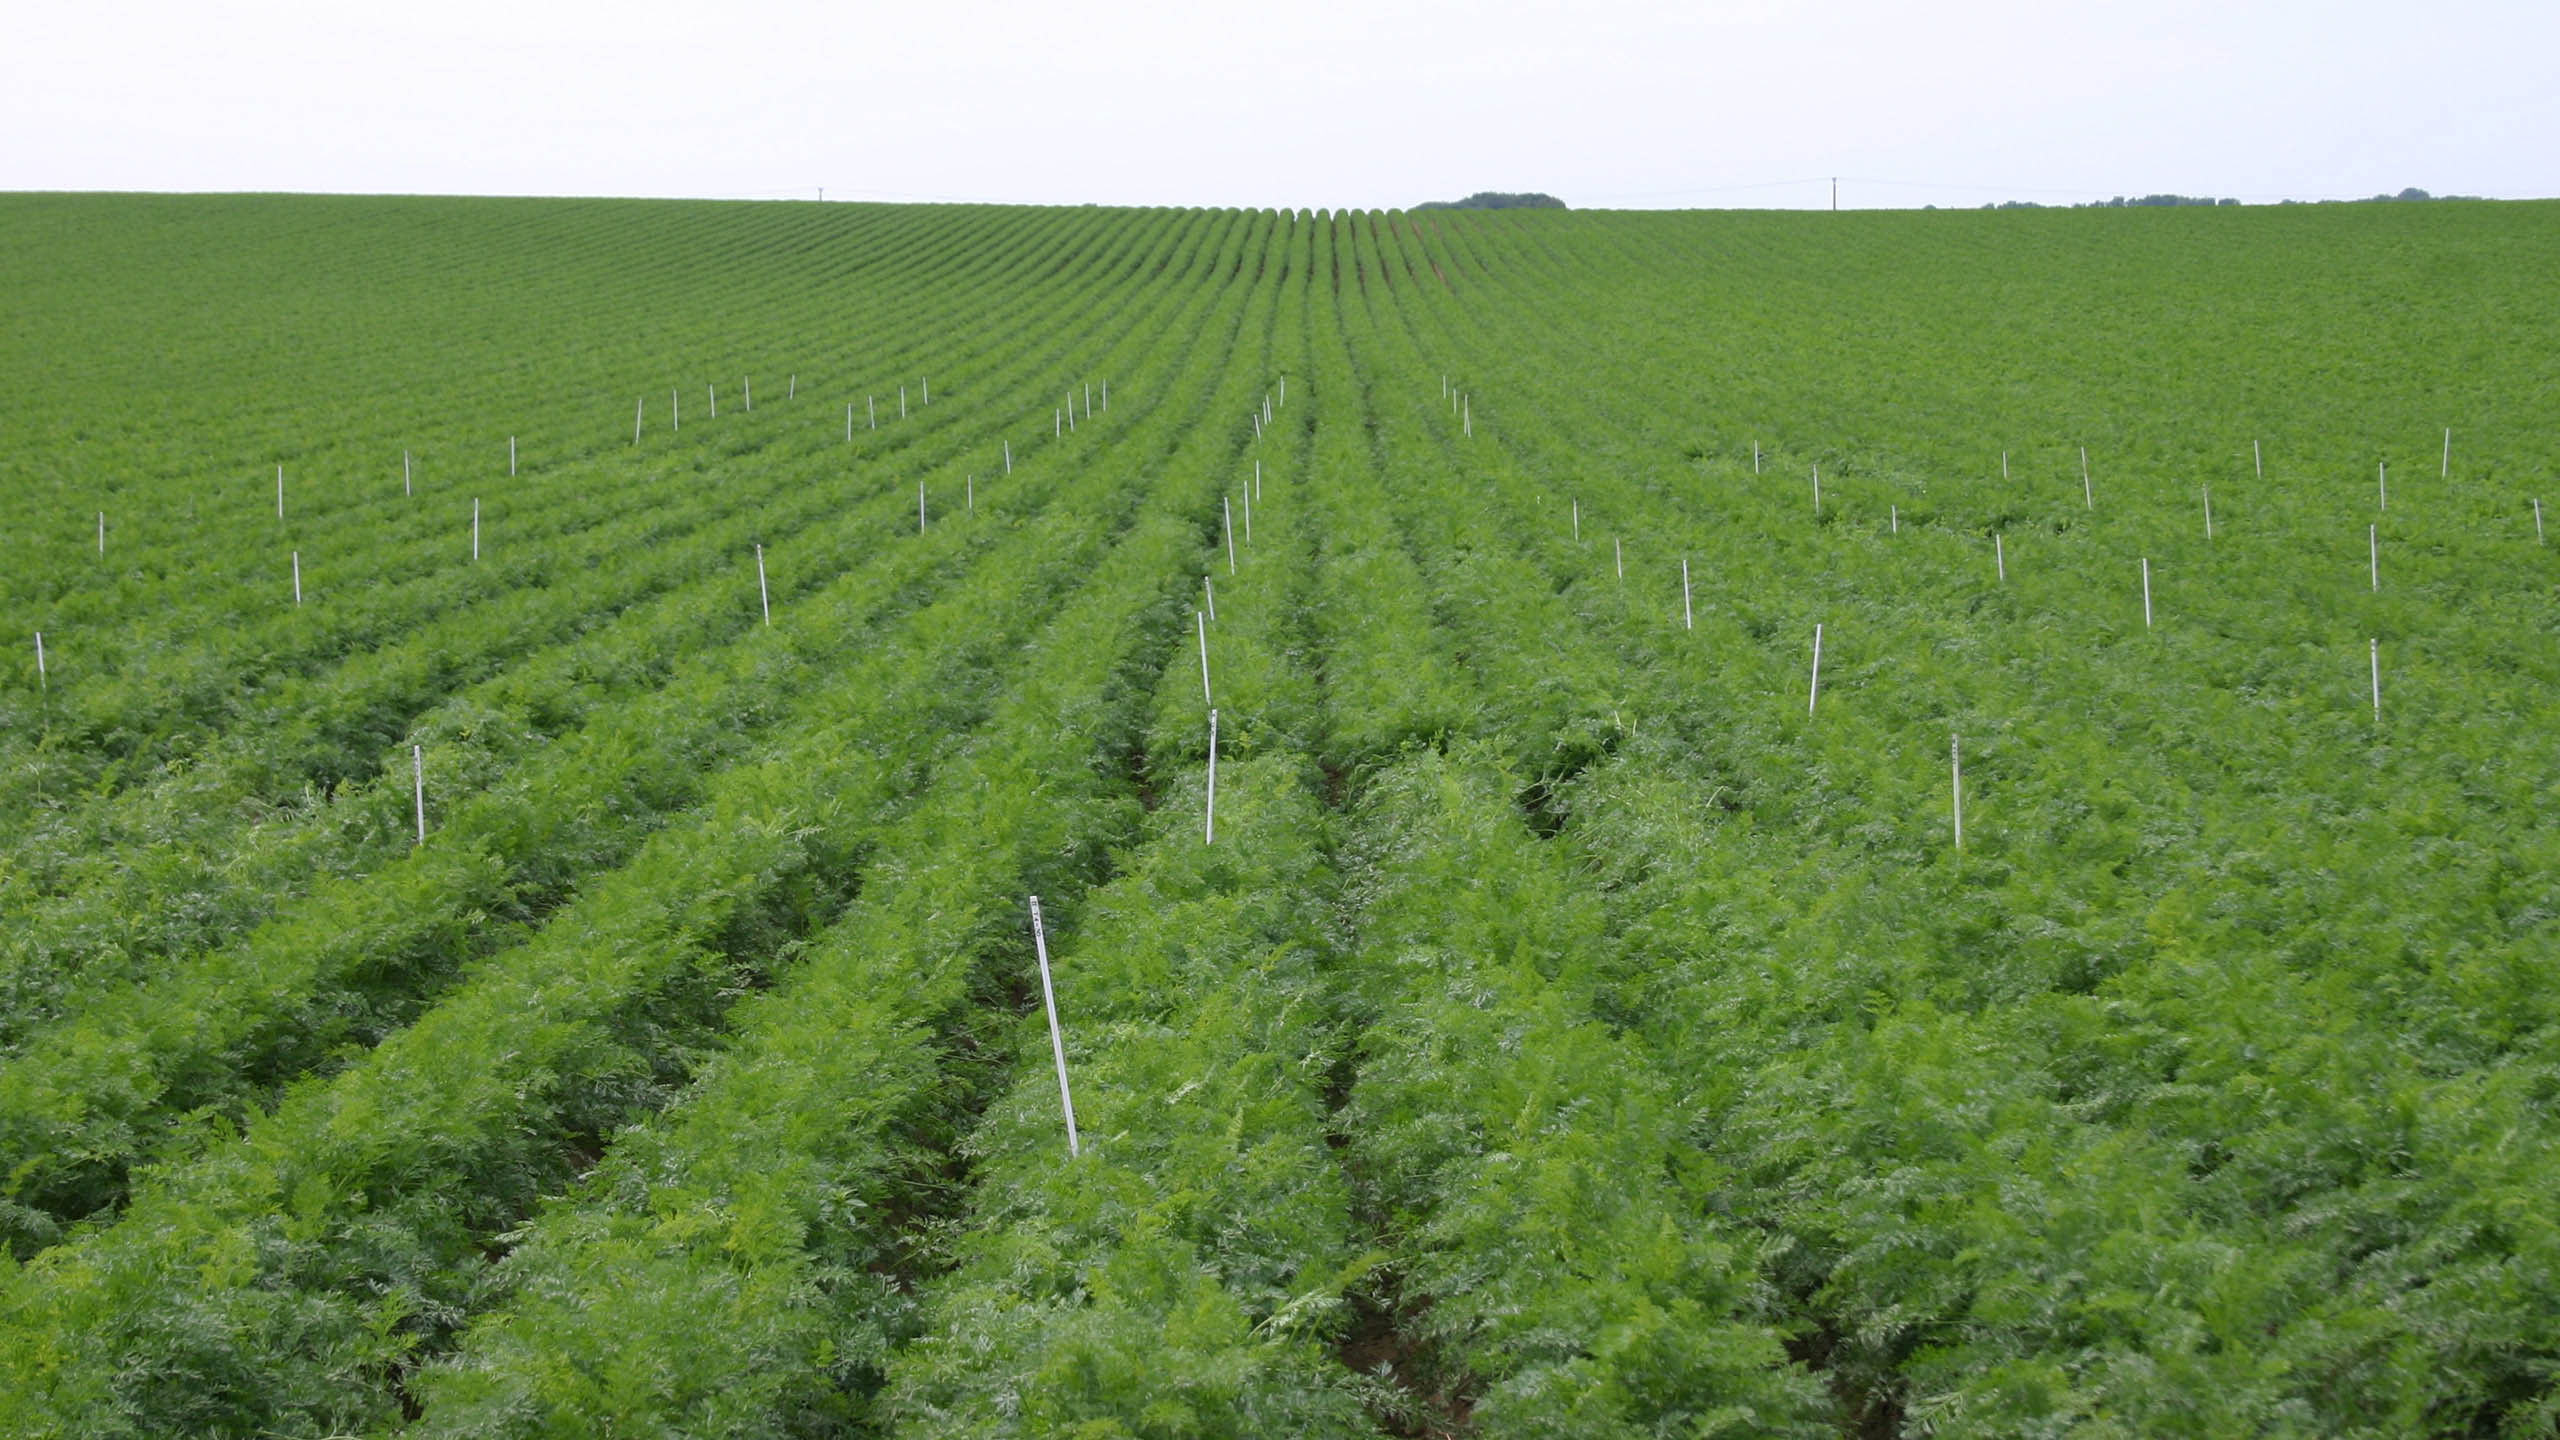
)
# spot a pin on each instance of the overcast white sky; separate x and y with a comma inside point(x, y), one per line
point(1738, 103)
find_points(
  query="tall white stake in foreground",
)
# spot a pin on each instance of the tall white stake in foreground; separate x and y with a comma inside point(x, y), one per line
point(1057, 1044)
point(1209, 824)
point(1814, 695)
point(418, 778)
point(1204, 660)
point(2374, 648)
point(1955, 772)
point(763, 593)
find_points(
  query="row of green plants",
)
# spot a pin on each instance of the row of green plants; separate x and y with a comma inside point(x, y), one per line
point(171, 855)
point(2025, 1159)
point(221, 655)
point(512, 1083)
point(111, 1084)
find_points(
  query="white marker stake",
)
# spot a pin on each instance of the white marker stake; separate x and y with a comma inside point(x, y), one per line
point(2208, 512)
point(279, 492)
point(2445, 471)
point(1817, 488)
point(639, 411)
point(1228, 523)
point(793, 393)
point(675, 412)
point(1619, 548)
point(1205, 701)
point(2537, 520)
point(2000, 557)
point(1211, 593)
point(2375, 649)
point(1688, 620)
point(1209, 823)
point(1813, 696)
point(928, 389)
point(919, 507)
point(1248, 518)
point(1257, 479)
point(102, 534)
point(511, 455)
point(2146, 592)
point(1577, 522)
point(42, 683)
point(2088, 496)
point(714, 392)
point(973, 492)
point(2382, 485)
point(404, 474)
point(2258, 459)
point(1008, 457)
point(2373, 555)
point(747, 384)
point(763, 592)
point(902, 402)
point(297, 577)
point(418, 778)
point(1057, 425)
point(1467, 414)
point(1755, 457)
point(1106, 397)
point(1895, 512)
point(2004, 464)
point(848, 422)
point(475, 527)
point(1955, 771)
point(871, 410)
point(1057, 1045)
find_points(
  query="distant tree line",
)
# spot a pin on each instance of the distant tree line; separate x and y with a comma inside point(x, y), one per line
point(1496, 200)
point(2122, 202)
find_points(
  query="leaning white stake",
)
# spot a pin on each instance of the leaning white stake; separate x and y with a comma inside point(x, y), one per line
point(1205, 701)
point(2146, 592)
point(1817, 488)
point(1955, 773)
point(2000, 558)
point(1618, 546)
point(2208, 512)
point(764, 594)
point(1813, 696)
point(747, 384)
point(1008, 457)
point(2257, 459)
point(1209, 593)
point(639, 412)
point(1057, 1044)
point(2445, 471)
point(1688, 620)
point(418, 780)
point(793, 392)
point(2088, 496)
point(1209, 821)
point(297, 577)
point(1229, 523)
point(42, 682)
point(2537, 520)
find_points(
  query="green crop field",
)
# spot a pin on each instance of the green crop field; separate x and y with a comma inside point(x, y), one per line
point(517, 843)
